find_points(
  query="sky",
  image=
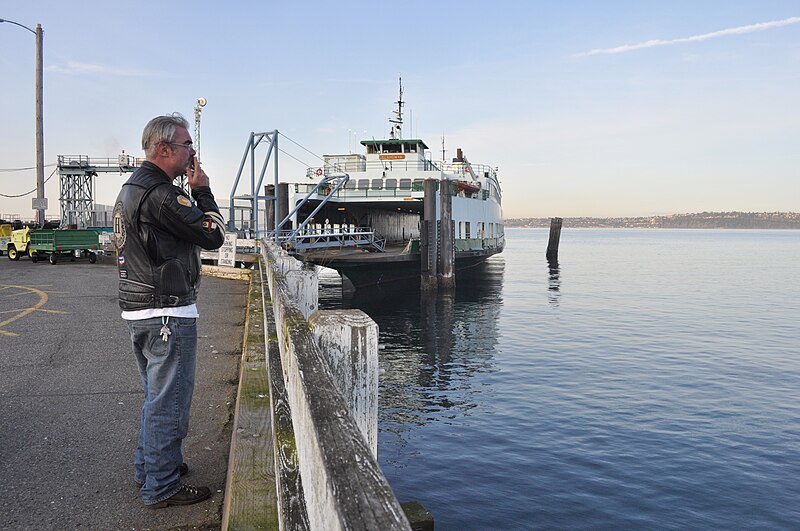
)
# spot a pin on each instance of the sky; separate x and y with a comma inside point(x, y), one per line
point(613, 108)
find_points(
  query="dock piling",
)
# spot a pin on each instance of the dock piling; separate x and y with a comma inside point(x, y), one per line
point(555, 238)
point(283, 204)
point(447, 250)
point(429, 239)
point(269, 207)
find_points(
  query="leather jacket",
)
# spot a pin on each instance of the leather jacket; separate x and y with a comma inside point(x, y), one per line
point(158, 233)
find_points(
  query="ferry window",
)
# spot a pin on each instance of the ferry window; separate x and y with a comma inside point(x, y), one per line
point(460, 229)
point(371, 148)
point(391, 148)
point(363, 184)
point(467, 229)
point(411, 148)
point(405, 184)
point(377, 184)
point(351, 183)
point(391, 184)
point(419, 185)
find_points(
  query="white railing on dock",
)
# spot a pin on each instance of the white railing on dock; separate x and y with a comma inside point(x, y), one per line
point(329, 364)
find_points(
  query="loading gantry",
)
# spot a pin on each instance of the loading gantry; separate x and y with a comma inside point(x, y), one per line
point(76, 175)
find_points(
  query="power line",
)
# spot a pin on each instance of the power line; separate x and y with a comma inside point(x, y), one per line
point(6, 170)
point(28, 193)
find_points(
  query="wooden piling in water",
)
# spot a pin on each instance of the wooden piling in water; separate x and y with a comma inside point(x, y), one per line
point(429, 248)
point(555, 238)
point(447, 252)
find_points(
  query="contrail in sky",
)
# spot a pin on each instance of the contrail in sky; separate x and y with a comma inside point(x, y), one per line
point(704, 37)
point(73, 67)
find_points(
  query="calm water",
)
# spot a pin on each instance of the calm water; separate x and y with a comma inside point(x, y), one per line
point(652, 380)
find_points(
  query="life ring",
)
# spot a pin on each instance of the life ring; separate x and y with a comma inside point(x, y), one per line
point(318, 172)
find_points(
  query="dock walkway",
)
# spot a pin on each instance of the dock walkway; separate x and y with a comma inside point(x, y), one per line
point(70, 400)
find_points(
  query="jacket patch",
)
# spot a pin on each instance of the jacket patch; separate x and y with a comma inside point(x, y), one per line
point(120, 230)
point(185, 201)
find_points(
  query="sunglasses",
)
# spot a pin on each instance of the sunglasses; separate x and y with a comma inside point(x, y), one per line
point(187, 145)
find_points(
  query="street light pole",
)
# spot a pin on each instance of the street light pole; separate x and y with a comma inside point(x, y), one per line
point(42, 206)
point(40, 203)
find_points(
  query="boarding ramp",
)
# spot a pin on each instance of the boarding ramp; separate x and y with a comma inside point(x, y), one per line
point(332, 238)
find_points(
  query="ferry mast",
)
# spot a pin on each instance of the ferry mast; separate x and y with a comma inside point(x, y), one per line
point(396, 132)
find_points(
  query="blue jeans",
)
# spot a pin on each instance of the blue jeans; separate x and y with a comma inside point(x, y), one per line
point(167, 369)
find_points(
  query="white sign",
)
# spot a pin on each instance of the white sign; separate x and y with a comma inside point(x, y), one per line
point(39, 203)
point(227, 253)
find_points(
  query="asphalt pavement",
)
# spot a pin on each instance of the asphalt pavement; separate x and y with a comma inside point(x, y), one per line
point(70, 400)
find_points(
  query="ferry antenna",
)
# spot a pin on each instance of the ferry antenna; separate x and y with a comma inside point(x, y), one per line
point(397, 128)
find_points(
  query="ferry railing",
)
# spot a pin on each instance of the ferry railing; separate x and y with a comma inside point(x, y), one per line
point(457, 168)
point(415, 191)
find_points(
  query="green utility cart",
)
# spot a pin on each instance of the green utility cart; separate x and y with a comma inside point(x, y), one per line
point(65, 243)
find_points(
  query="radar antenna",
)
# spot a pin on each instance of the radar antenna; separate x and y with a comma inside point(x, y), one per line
point(397, 129)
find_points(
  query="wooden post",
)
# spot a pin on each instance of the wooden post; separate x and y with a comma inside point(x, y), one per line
point(447, 255)
point(303, 286)
point(348, 339)
point(428, 239)
point(269, 210)
point(418, 516)
point(555, 237)
point(283, 204)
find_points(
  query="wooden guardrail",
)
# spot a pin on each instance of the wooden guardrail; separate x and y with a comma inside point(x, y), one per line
point(323, 386)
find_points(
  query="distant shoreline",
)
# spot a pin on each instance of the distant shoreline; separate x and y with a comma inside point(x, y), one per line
point(704, 220)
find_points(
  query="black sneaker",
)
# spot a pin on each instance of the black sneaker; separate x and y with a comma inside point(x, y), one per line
point(183, 469)
point(186, 496)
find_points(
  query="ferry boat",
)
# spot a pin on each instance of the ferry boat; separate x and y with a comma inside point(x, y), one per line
point(364, 217)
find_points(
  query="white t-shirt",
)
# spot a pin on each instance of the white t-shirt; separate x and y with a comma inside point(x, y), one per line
point(175, 311)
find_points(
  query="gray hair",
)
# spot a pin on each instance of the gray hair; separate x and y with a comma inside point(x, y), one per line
point(161, 129)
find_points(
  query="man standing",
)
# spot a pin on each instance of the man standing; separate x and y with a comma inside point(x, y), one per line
point(159, 231)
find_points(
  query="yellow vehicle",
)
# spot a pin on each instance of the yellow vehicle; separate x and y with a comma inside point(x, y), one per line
point(5, 237)
point(19, 243)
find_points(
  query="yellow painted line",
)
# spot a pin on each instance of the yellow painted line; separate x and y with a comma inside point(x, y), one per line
point(42, 301)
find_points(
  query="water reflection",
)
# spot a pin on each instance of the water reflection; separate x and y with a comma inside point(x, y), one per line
point(432, 346)
point(554, 282)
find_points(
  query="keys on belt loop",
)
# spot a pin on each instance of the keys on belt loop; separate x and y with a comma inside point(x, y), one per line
point(165, 332)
